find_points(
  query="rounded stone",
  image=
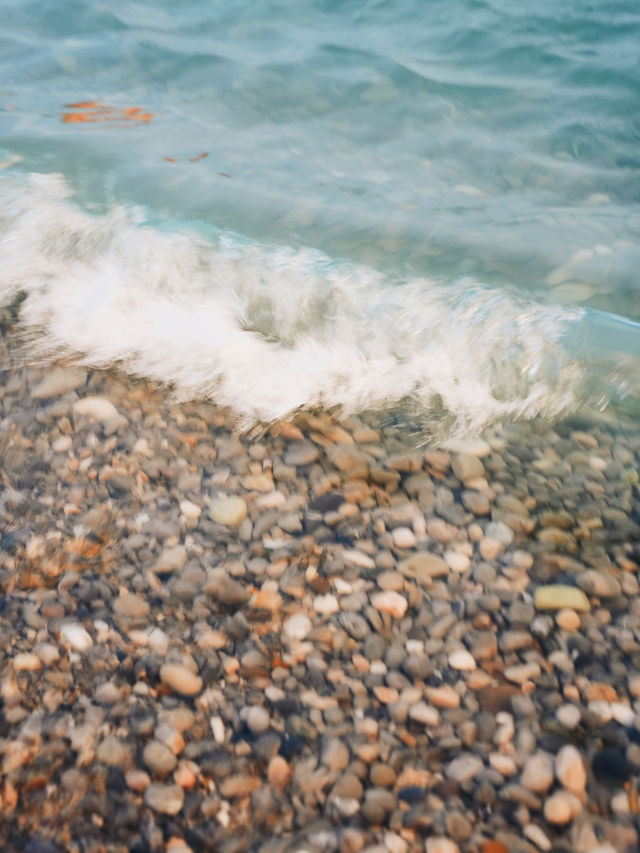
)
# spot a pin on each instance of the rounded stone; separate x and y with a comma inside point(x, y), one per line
point(568, 716)
point(420, 712)
point(257, 719)
point(390, 602)
point(113, 752)
point(568, 620)
point(537, 775)
point(166, 799)
point(462, 660)
point(230, 510)
point(180, 679)
point(296, 627)
point(159, 758)
point(570, 769)
point(562, 807)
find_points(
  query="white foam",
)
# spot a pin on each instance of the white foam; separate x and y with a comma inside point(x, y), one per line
point(267, 330)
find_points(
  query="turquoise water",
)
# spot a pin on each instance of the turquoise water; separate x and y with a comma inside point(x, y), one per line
point(284, 204)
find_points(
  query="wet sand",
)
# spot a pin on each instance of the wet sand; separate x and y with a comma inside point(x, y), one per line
point(318, 638)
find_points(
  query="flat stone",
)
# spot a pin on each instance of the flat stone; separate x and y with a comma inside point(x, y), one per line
point(171, 559)
point(519, 673)
point(391, 602)
point(598, 583)
point(166, 799)
point(404, 537)
point(113, 752)
point(461, 660)
point(221, 586)
point(558, 596)
point(443, 697)
point(335, 755)
point(467, 467)
point(159, 758)
point(296, 627)
point(570, 769)
point(464, 768)
point(420, 712)
point(180, 679)
point(537, 774)
point(302, 453)
point(423, 567)
point(440, 845)
point(59, 381)
point(75, 636)
point(562, 807)
point(97, 409)
point(471, 446)
point(230, 510)
point(497, 698)
point(131, 606)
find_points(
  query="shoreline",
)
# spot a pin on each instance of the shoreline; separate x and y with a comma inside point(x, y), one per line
point(315, 639)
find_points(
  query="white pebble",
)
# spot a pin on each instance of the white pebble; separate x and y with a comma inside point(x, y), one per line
point(296, 627)
point(326, 604)
point(570, 769)
point(75, 636)
point(425, 714)
point(458, 563)
point(403, 537)
point(189, 509)
point(462, 660)
point(568, 716)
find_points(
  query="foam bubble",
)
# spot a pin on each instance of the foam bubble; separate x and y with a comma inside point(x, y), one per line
point(268, 330)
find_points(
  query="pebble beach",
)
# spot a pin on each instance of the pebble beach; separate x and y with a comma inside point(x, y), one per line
point(323, 636)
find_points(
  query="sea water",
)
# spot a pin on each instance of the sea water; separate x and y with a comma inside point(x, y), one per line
point(372, 204)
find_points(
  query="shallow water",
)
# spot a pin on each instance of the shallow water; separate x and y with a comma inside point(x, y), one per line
point(344, 204)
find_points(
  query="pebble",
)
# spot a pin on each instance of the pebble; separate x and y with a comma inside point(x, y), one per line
point(159, 758)
point(137, 780)
point(257, 719)
point(131, 606)
point(180, 679)
point(296, 627)
point(570, 769)
point(470, 446)
point(559, 596)
point(96, 408)
point(425, 714)
point(423, 567)
point(113, 752)
point(230, 510)
point(390, 602)
point(537, 835)
point(278, 773)
point(441, 845)
point(76, 637)
point(26, 662)
point(166, 799)
point(462, 660)
point(598, 583)
point(538, 773)
point(403, 537)
point(568, 620)
point(58, 381)
point(522, 672)
point(443, 697)
point(561, 807)
point(568, 716)
point(464, 768)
